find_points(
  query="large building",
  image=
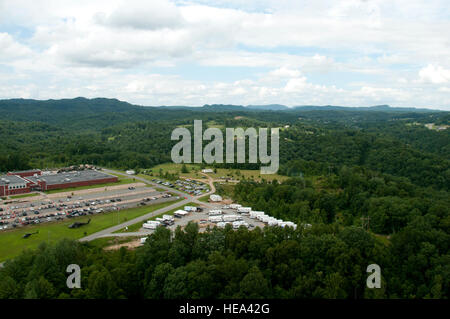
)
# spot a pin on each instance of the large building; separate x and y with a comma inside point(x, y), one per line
point(26, 181)
point(13, 185)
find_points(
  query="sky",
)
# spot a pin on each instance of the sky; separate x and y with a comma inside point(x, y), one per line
point(347, 52)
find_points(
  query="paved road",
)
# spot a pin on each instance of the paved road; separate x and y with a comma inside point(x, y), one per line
point(108, 231)
point(188, 198)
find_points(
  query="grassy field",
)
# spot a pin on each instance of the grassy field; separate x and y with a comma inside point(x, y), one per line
point(204, 199)
point(119, 182)
point(245, 173)
point(137, 226)
point(12, 242)
point(23, 195)
point(195, 170)
point(173, 168)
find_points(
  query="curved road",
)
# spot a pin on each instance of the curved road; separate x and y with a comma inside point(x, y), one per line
point(188, 198)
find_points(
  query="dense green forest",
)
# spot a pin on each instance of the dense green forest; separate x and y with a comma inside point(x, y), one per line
point(373, 183)
point(120, 135)
point(325, 261)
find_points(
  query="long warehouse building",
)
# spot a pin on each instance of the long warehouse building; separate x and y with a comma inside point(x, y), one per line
point(26, 181)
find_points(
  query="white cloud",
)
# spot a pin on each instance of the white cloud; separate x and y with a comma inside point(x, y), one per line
point(132, 14)
point(284, 72)
point(10, 49)
point(274, 51)
point(434, 74)
point(296, 85)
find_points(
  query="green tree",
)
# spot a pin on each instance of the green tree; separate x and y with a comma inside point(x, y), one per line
point(254, 285)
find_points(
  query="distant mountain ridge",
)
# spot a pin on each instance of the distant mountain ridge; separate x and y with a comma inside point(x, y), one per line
point(271, 107)
point(281, 107)
point(87, 106)
point(379, 108)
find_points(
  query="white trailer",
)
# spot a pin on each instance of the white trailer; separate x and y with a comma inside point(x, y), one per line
point(244, 210)
point(272, 223)
point(168, 217)
point(190, 208)
point(261, 216)
point(215, 219)
point(255, 214)
point(265, 219)
point(151, 224)
point(215, 212)
point(237, 224)
point(291, 224)
point(221, 224)
point(235, 206)
point(230, 218)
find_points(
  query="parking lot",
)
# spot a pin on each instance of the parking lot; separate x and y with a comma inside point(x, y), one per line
point(190, 186)
point(40, 209)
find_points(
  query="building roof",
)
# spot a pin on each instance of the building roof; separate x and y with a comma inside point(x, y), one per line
point(70, 177)
point(11, 180)
point(25, 171)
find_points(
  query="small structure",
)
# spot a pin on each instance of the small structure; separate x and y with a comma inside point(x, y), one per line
point(180, 213)
point(130, 172)
point(151, 224)
point(215, 198)
point(167, 217)
point(207, 170)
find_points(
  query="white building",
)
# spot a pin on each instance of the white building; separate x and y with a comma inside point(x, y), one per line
point(215, 198)
point(180, 213)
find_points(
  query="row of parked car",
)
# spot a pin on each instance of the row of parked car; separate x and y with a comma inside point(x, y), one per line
point(12, 219)
point(190, 186)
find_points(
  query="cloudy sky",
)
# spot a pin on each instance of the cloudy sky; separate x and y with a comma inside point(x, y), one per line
point(292, 52)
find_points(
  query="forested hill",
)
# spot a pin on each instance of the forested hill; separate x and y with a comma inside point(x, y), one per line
point(19, 108)
point(54, 110)
point(313, 141)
